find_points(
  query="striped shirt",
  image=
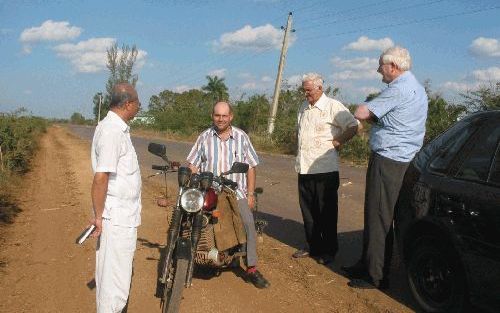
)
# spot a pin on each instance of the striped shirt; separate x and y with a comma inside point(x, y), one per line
point(212, 154)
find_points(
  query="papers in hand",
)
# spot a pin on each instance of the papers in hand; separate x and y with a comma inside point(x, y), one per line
point(85, 234)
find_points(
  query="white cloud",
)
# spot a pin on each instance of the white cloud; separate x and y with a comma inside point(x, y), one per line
point(28, 92)
point(266, 79)
point(355, 69)
point(258, 39)
point(90, 56)
point(263, 83)
point(48, 31)
point(294, 81)
point(459, 86)
point(182, 88)
point(358, 64)
point(355, 75)
point(366, 44)
point(368, 90)
point(221, 73)
point(489, 74)
point(488, 47)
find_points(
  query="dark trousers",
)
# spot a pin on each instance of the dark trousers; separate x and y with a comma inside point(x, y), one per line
point(384, 178)
point(319, 205)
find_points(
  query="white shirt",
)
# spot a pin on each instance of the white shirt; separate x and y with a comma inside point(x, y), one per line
point(113, 152)
point(318, 124)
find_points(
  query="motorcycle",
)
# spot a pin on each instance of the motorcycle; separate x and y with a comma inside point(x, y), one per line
point(205, 227)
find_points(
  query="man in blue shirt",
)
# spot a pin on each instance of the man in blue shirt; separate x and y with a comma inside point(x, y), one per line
point(398, 118)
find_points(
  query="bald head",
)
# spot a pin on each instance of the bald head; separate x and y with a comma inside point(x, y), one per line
point(222, 116)
point(122, 93)
point(223, 106)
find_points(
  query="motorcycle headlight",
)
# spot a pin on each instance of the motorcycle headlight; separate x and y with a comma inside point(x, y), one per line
point(192, 200)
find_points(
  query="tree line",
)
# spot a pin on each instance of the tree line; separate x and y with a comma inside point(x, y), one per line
point(187, 113)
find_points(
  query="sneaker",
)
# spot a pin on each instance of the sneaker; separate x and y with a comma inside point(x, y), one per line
point(301, 253)
point(258, 280)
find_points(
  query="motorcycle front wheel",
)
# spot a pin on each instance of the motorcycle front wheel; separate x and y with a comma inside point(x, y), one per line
point(172, 296)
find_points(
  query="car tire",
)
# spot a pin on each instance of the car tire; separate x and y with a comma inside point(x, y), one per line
point(436, 278)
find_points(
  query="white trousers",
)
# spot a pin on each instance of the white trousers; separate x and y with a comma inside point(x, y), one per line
point(114, 257)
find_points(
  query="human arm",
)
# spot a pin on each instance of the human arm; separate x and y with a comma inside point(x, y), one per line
point(345, 136)
point(98, 194)
point(251, 177)
point(362, 113)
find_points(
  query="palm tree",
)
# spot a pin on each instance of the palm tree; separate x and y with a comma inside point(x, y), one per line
point(216, 88)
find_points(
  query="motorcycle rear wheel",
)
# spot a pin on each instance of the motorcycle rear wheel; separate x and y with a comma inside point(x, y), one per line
point(172, 297)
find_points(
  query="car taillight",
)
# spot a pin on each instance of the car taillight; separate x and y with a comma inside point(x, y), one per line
point(210, 202)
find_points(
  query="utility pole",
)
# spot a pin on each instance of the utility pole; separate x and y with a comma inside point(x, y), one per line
point(277, 85)
point(99, 113)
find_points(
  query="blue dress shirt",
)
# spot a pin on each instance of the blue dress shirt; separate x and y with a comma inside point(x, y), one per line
point(401, 110)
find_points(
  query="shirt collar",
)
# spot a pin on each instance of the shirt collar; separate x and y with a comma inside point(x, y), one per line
point(400, 78)
point(115, 119)
point(321, 103)
point(214, 132)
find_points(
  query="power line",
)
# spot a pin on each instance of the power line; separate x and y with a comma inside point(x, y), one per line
point(416, 21)
point(372, 14)
point(378, 3)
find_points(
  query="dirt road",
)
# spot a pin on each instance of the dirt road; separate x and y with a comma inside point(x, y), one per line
point(44, 271)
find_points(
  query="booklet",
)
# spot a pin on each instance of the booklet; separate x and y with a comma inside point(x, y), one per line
point(85, 234)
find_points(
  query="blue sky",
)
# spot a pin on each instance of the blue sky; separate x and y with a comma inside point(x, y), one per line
point(53, 53)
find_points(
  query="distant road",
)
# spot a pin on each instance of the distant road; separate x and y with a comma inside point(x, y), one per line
point(276, 174)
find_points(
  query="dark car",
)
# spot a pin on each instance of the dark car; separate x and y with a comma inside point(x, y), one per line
point(448, 218)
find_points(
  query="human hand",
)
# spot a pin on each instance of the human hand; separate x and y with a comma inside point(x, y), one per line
point(336, 144)
point(251, 201)
point(98, 227)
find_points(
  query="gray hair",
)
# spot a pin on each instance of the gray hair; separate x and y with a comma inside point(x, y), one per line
point(120, 94)
point(397, 55)
point(315, 78)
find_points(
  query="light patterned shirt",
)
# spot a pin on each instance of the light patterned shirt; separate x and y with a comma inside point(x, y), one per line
point(212, 154)
point(318, 124)
point(112, 152)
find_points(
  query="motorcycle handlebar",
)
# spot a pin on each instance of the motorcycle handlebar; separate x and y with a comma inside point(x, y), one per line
point(229, 183)
point(171, 166)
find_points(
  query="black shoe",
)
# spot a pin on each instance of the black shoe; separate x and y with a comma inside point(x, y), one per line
point(325, 259)
point(258, 280)
point(301, 253)
point(357, 270)
point(368, 283)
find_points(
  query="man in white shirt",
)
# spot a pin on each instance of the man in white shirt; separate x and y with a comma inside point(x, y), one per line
point(116, 198)
point(324, 125)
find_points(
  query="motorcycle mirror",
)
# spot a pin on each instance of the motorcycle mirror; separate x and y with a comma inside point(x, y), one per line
point(238, 167)
point(157, 149)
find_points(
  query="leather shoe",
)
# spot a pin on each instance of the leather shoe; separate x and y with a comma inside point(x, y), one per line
point(257, 280)
point(325, 259)
point(357, 270)
point(368, 283)
point(301, 253)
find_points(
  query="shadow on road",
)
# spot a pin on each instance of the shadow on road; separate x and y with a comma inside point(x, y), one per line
point(291, 233)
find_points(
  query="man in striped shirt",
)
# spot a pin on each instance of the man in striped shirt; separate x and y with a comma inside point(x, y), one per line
point(215, 150)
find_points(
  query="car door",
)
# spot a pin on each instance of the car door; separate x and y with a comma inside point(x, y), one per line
point(479, 173)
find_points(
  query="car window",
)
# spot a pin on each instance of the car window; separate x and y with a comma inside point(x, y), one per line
point(495, 168)
point(449, 149)
point(478, 163)
point(440, 142)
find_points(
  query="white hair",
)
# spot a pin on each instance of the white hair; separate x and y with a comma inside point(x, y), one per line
point(315, 78)
point(397, 55)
